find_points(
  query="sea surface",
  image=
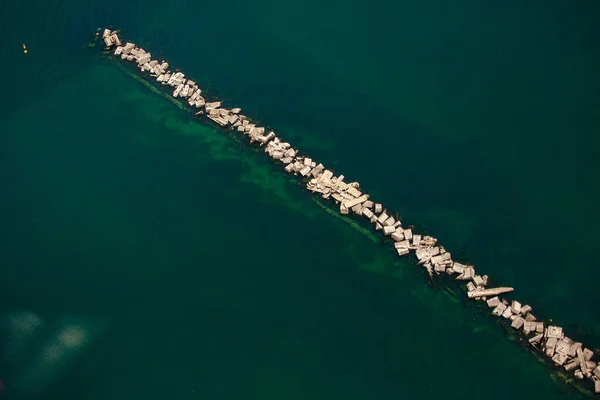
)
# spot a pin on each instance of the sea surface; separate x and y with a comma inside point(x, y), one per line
point(148, 255)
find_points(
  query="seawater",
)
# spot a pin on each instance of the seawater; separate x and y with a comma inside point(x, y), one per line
point(193, 268)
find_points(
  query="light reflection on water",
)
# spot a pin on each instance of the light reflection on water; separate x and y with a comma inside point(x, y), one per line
point(38, 353)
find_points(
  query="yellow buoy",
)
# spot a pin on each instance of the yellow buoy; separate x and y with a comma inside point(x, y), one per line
point(24, 49)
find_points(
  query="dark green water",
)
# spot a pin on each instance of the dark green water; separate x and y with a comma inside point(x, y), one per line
point(196, 269)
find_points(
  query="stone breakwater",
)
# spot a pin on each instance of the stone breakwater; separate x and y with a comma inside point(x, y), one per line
point(548, 340)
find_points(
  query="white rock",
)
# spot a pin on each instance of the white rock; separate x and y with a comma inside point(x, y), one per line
point(388, 230)
point(499, 310)
point(559, 358)
point(416, 239)
point(555, 332)
point(304, 171)
point(517, 323)
point(493, 302)
point(402, 245)
point(402, 252)
point(525, 309)
point(382, 218)
point(507, 313)
point(528, 327)
point(458, 267)
point(516, 307)
point(536, 338)
point(397, 235)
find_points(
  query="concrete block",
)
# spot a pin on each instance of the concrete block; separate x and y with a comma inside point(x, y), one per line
point(493, 302)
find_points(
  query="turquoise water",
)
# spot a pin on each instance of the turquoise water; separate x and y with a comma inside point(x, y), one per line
point(194, 268)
